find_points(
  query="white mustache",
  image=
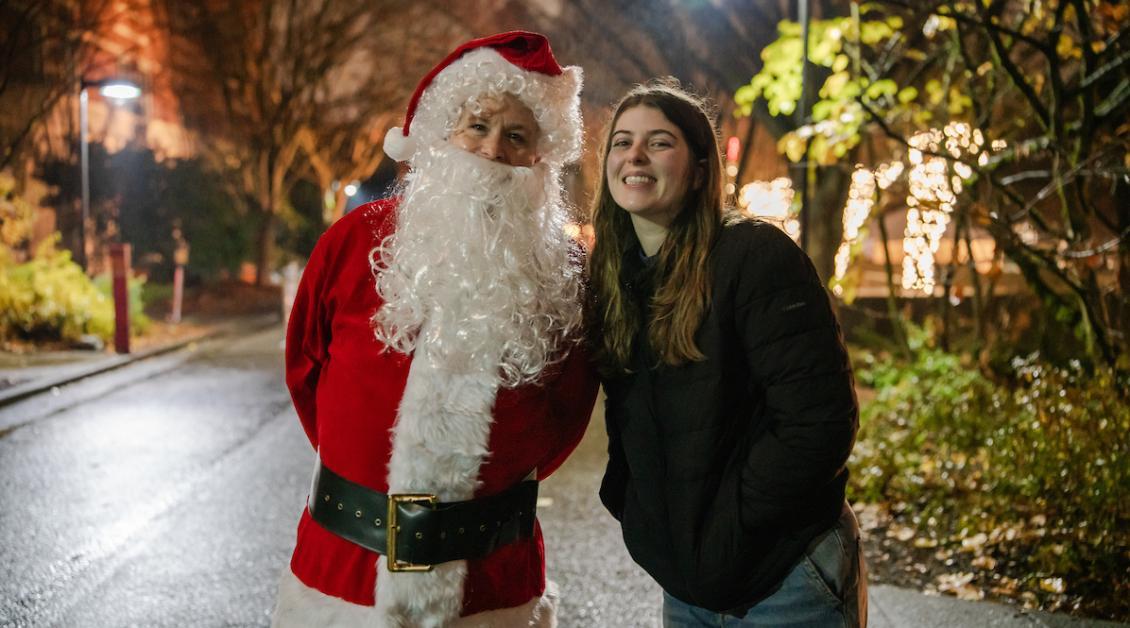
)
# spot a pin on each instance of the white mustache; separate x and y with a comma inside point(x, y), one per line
point(479, 266)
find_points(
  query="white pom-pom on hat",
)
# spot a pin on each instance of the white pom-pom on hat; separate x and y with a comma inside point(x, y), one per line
point(399, 146)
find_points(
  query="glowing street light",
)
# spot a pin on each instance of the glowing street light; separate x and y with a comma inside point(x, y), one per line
point(119, 91)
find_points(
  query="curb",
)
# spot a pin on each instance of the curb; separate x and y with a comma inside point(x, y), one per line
point(36, 387)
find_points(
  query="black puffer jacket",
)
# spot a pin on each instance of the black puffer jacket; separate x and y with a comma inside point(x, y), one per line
point(722, 471)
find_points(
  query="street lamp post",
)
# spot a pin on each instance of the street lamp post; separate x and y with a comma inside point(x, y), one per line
point(802, 116)
point(84, 157)
point(114, 89)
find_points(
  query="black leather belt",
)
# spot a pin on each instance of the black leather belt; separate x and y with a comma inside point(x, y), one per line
point(413, 530)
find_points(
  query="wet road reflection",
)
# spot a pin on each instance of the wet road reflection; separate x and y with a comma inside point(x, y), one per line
point(167, 495)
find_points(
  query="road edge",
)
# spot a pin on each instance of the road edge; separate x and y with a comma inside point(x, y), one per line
point(32, 388)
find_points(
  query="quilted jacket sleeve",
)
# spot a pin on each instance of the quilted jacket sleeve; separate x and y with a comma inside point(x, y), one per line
point(615, 480)
point(799, 364)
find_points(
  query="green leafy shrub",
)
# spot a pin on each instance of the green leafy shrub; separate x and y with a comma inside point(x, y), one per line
point(45, 296)
point(138, 321)
point(49, 298)
point(1036, 458)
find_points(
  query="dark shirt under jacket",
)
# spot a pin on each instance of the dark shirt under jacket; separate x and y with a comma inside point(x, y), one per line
point(722, 471)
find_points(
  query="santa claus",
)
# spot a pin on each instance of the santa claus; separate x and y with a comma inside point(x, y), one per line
point(433, 357)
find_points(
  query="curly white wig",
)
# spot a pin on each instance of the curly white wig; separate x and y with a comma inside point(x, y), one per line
point(554, 100)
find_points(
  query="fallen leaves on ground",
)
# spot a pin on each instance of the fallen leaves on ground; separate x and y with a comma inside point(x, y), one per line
point(960, 585)
point(905, 547)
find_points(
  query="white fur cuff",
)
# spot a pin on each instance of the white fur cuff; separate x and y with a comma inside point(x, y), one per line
point(299, 606)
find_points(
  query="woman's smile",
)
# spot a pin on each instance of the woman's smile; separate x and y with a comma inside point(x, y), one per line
point(650, 167)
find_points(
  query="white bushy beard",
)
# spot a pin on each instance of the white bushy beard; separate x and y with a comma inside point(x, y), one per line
point(480, 275)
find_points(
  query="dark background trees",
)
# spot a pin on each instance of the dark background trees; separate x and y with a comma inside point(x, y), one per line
point(991, 440)
point(1022, 105)
point(262, 81)
point(44, 49)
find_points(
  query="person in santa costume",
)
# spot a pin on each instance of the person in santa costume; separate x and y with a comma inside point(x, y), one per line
point(433, 357)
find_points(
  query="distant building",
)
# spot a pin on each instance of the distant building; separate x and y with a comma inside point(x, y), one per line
point(62, 45)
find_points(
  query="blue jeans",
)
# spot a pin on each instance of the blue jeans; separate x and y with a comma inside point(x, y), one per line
point(827, 588)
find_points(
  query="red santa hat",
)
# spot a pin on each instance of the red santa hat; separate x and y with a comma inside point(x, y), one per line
point(519, 63)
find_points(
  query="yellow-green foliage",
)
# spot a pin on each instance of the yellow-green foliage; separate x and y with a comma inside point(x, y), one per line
point(50, 298)
point(138, 321)
point(837, 115)
point(16, 216)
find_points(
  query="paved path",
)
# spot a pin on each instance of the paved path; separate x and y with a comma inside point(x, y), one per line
point(165, 493)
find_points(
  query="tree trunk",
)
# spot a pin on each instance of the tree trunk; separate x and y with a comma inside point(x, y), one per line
point(892, 297)
point(340, 201)
point(979, 301)
point(1121, 306)
point(826, 219)
point(265, 247)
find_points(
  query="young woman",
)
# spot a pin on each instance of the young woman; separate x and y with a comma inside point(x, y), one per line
point(730, 405)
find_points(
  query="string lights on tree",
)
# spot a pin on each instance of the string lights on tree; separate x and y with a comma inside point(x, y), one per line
point(933, 186)
point(932, 192)
point(862, 195)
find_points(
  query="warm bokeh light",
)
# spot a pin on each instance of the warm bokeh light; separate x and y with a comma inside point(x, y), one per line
point(888, 173)
point(771, 201)
point(933, 184)
point(932, 193)
point(583, 234)
point(861, 198)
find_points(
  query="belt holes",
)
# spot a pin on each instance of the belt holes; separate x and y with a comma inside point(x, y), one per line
point(340, 506)
point(358, 513)
point(419, 536)
point(483, 528)
point(326, 498)
point(377, 522)
point(460, 530)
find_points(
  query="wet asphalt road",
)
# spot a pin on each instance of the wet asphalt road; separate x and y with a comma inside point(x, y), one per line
point(166, 494)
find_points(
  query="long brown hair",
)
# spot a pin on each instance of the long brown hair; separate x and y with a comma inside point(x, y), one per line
point(682, 293)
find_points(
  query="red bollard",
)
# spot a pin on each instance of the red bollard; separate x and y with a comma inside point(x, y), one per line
point(120, 269)
point(178, 294)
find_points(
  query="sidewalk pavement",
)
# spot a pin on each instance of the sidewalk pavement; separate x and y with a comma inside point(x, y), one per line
point(889, 607)
point(23, 376)
point(893, 607)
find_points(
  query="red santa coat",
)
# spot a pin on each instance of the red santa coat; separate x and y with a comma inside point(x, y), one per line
point(347, 392)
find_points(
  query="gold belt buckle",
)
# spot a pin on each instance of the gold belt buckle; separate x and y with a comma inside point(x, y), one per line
point(394, 500)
